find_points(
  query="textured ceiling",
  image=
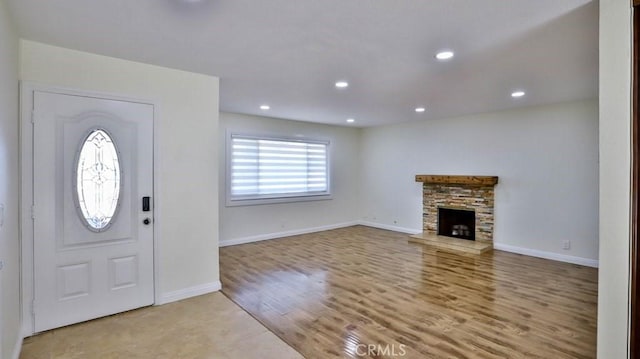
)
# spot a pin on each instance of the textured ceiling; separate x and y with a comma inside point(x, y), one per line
point(289, 53)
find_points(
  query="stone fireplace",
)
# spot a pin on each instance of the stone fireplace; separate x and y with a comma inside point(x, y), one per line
point(457, 223)
point(467, 203)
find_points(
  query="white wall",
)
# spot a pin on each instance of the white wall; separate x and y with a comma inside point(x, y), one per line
point(9, 182)
point(615, 157)
point(187, 134)
point(546, 158)
point(245, 223)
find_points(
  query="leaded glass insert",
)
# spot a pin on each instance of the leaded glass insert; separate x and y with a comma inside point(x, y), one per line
point(98, 180)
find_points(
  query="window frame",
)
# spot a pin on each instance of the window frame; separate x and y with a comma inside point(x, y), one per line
point(278, 197)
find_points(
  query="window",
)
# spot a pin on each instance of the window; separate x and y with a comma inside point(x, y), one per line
point(97, 180)
point(263, 170)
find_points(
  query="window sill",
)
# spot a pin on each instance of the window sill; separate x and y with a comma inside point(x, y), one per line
point(261, 201)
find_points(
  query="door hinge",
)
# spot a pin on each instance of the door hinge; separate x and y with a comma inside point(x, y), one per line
point(33, 307)
point(33, 117)
point(33, 212)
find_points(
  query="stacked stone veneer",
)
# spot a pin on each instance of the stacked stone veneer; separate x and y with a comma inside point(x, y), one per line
point(468, 197)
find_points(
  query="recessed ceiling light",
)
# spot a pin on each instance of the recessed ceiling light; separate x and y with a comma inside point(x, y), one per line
point(351, 120)
point(420, 109)
point(517, 94)
point(264, 107)
point(444, 55)
point(342, 84)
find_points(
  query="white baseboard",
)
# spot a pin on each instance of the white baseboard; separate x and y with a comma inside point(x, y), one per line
point(185, 293)
point(499, 246)
point(295, 232)
point(547, 255)
point(18, 348)
point(390, 227)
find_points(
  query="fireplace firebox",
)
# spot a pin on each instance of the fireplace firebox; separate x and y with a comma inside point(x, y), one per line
point(457, 223)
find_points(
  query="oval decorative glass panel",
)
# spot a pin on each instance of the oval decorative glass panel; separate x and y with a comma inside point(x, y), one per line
point(98, 180)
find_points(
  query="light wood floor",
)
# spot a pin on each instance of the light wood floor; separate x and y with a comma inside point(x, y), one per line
point(359, 290)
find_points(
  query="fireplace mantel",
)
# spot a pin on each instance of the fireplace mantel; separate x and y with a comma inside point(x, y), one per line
point(459, 180)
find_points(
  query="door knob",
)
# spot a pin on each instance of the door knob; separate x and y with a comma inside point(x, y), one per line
point(146, 221)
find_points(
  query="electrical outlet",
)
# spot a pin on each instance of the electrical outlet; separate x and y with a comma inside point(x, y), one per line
point(566, 245)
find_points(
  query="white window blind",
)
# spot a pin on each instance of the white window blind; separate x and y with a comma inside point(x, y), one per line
point(267, 168)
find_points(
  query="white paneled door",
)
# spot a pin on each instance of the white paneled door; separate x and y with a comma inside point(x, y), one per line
point(93, 211)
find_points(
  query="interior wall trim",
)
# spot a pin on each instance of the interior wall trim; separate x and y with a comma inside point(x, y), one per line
point(503, 247)
point(389, 227)
point(294, 232)
point(634, 288)
point(17, 349)
point(547, 255)
point(185, 293)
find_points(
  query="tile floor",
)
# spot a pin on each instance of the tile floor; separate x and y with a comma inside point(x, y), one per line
point(208, 326)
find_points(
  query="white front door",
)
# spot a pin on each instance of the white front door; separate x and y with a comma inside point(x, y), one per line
point(93, 214)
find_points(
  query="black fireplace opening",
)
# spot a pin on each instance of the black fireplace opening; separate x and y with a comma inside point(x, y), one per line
point(457, 223)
